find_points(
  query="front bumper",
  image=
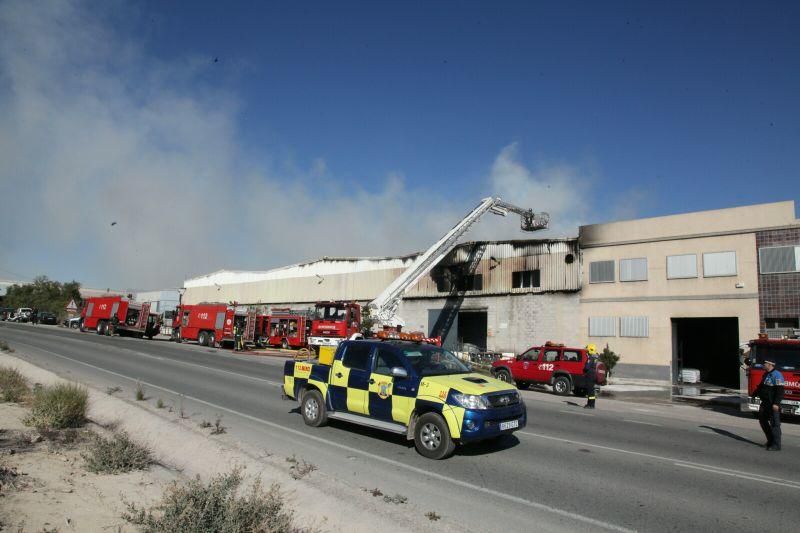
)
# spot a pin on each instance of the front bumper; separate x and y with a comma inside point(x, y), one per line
point(480, 424)
point(788, 407)
point(324, 341)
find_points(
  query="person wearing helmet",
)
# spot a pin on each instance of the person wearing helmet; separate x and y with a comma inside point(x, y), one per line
point(590, 376)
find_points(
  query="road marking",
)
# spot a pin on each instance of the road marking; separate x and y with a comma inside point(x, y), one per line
point(753, 477)
point(177, 361)
point(348, 449)
point(574, 412)
point(640, 422)
point(711, 468)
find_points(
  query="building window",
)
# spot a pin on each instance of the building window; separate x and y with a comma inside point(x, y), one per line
point(719, 264)
point(633, 269)
point(775, 260)
point(682, 266)
point(782, 323)
point(525, 279)
point(471, 282)
point(634, 326)
point(601, 272)
point(602, 326)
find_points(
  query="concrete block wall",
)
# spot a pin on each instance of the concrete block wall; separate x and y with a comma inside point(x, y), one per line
point(515, 322)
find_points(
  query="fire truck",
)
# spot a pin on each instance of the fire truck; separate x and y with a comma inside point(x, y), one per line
point(210, 323)
point(135, 319)
point(287, 328)
point(334, 322)
point(786, 355)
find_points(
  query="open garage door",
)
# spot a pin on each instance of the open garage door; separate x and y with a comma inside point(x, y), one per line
point(710, 345)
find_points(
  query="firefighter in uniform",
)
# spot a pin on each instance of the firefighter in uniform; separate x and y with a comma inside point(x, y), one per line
point(590, 376)
point(770, 392)
point(112, 327)
point(237, 337)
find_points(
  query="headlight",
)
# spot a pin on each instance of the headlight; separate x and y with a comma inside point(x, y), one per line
point(471, 401)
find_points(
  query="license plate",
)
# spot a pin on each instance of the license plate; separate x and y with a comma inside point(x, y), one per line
point(511, 424)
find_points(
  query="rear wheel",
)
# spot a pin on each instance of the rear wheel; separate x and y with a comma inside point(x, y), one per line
point(202, 339)
point(212, 340)
point(562, 386)
point(312, 407)
point(432, 437)
point(285, 344)
point(503, 375)
point(101, 328)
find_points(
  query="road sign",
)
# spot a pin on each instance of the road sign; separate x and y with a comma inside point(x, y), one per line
point(71, 307)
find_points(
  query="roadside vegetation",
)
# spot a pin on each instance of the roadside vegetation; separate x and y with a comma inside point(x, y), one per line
point(13, 385)
point(609, 359)
point(58, 407)
point(44, 294)
point(217, 506)
point(4, 347)
point(116, 455)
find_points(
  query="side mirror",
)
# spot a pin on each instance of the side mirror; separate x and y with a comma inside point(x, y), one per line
point(399, 372)
point(747, 361)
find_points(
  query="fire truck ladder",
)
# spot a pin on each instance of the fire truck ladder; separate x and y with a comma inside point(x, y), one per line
point(250, 326)
point(385, 305)
point(144, 314)
point(457, 290)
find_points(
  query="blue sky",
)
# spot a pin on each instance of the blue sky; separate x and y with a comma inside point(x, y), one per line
point(253, 134)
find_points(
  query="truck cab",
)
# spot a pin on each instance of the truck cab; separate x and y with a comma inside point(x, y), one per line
point(786, 355)
point(418, 390)
point(334, 322)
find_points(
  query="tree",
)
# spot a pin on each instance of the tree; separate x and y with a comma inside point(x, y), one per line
point(43, 294)
point(609, 359)
point(367, 321)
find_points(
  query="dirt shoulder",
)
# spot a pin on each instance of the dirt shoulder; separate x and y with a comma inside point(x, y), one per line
point(319, 501)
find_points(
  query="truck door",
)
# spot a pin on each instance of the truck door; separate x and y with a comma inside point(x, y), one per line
point(114, 310)
point(350, 379)
point(524, 367)
point(219, 324)
point(572, 362)
point(391, 399)
point(546, 365)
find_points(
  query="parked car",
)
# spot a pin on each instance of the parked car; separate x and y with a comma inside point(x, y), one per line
point(23, 314)
point(46, 317)
point(552, 364)
point(73, 323)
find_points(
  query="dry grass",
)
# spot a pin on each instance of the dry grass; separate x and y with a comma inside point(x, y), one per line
point(13, 385)
point(215, 507)
point(116, 455)
point(58, 407)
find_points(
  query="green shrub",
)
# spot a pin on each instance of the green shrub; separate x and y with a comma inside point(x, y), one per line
point(116, 455)
point(13, 385)
point(609, 359)
point(214, 507)
point(58, 407)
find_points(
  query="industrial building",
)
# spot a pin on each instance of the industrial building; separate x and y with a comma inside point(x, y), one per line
point(665, 293)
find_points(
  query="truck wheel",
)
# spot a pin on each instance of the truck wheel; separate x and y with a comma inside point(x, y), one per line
point(202, 339)
point(503, 375)
point(285, 344)
point(432, 437)
point(313, 408)
point(562, 386)
point(212, 340)
point(101, 328)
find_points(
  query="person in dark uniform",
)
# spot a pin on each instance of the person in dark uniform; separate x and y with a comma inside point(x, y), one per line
point(770, 392)
point(590, 376)
point(237, 337)
point(34, 315)
point(112, 326)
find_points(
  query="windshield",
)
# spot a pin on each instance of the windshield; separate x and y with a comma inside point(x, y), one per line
point(786, 357)
point(331, 312)
point(434, 361)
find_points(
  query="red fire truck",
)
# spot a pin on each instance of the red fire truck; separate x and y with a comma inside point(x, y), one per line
point(786, 355)
point(287, 328)
point(135, 319)
point(334, 322)
point(212, 323)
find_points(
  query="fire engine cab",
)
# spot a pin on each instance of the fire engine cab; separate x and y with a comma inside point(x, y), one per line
point(786, 355)
point(334, 322)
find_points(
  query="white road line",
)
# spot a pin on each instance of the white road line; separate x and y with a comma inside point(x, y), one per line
point(574, 412)
point(640, 422)
point(753, 478)
point(176, 361)
point(711, 468)
point(348, 449)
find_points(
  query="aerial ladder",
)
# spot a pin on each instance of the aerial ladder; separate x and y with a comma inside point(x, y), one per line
point(384, 307)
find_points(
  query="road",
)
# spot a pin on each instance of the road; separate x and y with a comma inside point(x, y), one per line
point(623, 467)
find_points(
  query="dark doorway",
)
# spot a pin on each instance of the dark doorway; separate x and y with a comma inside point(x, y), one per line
point(709, 344)
point(472, 328)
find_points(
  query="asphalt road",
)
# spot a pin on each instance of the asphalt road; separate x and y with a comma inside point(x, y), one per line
point(625, 466)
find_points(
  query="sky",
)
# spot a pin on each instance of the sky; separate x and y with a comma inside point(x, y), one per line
point(144, 143)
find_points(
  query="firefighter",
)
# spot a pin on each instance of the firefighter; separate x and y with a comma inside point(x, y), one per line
point(112, 326)
point(590, 376)
point(770, 392)
point(237, 337)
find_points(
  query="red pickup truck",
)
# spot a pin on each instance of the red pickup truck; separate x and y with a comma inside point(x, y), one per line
point(552, 364)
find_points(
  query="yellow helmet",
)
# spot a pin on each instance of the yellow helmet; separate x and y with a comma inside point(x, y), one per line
point(592, 349)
